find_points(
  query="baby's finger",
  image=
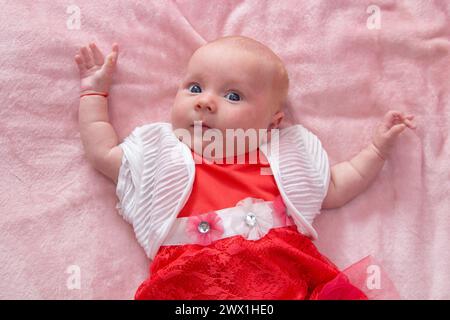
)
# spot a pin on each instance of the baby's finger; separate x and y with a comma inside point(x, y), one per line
point(410, 124)
point(115, 52)
point(396, 130)
point(390, 119)
point(111, 59)
point(80, 62)
point(97, 54)
point(392, 114)
point(398, 116)
point(115, 48)
point(87, 56)
point(110, 64)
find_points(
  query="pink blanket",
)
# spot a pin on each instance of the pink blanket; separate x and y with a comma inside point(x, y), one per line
point(349, 63)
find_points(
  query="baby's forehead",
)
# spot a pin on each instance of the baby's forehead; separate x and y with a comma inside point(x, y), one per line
point(225, 58)
point(224, 53)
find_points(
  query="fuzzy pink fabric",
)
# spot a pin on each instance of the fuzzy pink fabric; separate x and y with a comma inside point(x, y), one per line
point(58, 212)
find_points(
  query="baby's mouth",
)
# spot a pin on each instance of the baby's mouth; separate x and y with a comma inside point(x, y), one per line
point(201, 125)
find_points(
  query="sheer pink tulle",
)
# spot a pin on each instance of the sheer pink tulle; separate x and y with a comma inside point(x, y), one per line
point(367, 276)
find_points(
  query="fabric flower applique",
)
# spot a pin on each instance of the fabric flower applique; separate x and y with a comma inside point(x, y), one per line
point(205, 228)
point(257, 219)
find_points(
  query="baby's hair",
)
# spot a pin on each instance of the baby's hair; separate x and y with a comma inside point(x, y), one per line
point(280, 79)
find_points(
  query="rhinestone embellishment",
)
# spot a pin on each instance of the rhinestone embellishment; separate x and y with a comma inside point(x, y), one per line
point(250, 219)
point(203, 227)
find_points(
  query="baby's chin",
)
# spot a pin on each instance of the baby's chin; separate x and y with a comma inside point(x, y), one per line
point(213, 151)
point(213, 143)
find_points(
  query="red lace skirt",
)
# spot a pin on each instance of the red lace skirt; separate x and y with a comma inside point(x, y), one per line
point(283, 265)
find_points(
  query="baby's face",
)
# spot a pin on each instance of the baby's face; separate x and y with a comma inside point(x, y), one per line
point(225, 88)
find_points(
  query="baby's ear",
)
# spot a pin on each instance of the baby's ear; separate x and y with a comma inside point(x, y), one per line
point(276, 120)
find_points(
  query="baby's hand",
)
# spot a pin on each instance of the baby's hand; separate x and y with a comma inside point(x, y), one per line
point(96, 72)
point(388, 130)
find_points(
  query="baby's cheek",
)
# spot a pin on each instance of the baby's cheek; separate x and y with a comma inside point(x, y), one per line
point(232, 120)
point(178, 116)
point(238, 119)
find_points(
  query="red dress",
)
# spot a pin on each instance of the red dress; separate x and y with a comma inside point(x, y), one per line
point(283, 264)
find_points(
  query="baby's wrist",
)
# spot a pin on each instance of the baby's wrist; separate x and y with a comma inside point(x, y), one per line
point(379, 152)
point(91, 87)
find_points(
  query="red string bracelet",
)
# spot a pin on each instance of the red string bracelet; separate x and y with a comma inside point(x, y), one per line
point(104, 94)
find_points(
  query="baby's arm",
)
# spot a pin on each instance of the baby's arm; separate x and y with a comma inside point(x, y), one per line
point(350, 178)
point(97, 134)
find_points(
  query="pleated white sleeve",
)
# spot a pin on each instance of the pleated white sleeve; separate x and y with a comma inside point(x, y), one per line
point(130, 174)
point(154, 182)
point(304, 173)
point(319, 159)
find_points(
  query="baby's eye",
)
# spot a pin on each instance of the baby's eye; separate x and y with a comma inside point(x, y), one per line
point(196, 88)
point(233, 96)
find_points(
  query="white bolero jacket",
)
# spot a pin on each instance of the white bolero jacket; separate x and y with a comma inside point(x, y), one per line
point(157, 174)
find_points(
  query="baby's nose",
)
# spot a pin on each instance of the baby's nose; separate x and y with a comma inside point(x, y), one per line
point(206, 102)
point(199, 107)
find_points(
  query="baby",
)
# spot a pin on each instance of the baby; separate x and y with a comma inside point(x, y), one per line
point(218, 229)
